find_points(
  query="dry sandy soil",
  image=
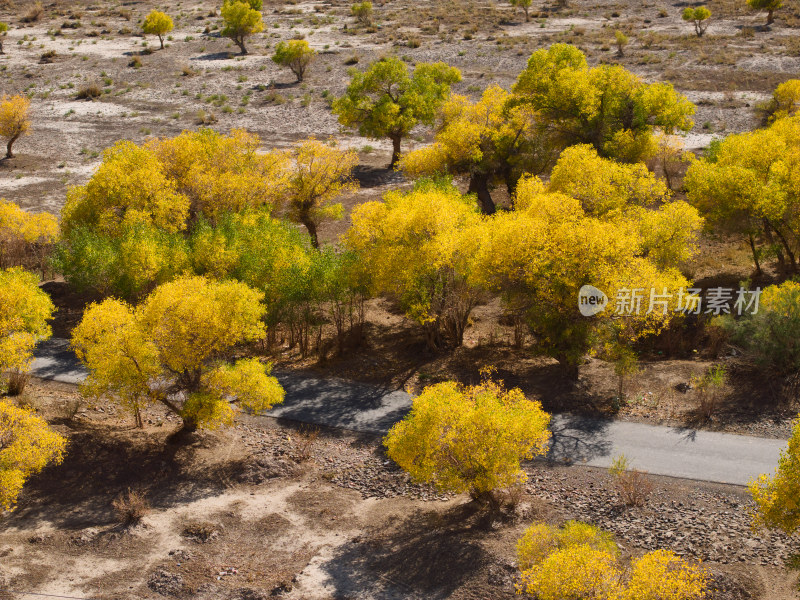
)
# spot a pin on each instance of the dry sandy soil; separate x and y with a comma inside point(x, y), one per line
point(259, 511)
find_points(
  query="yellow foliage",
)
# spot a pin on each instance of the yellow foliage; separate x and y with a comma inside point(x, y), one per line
point(169, 182)
point(777, 498)
point(574, 573)
point(580, 562)
point(14, 119)
point(171, 347)
point(322, 173)
point(602, 185)
point(24, 312)
point(157, 23)
point(785, 99)
point(605, 106)
point(417, 248)
point(662, 575)
point(22, 232)
point(27, 445)
point(469, 438)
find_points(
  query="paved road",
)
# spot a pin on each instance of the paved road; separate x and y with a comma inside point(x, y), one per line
point(687, 453)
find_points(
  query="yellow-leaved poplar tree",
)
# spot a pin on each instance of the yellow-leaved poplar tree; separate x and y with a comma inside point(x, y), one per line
point(27, 445)
point(469, 439)
point(606, 106)
point(321, 174)
point(159, 24)
point(240, 21)
point(538, 256)
point(579, 561)
point(416, 248)
point(777, 497)
point(749, 185)
point(172, 349)
point(14, 120)
point(488, 141)
point(25, 237)
point(24, 314)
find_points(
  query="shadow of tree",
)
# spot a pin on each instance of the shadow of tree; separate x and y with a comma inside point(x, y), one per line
point(428, 555)
point(101, 464)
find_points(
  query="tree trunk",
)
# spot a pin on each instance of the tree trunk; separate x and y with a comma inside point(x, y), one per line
point(754, 250)
point(1, 47)
point(395, 150)
point(161, 39)
point(240, 43)
point(770, 16)
point(312, 230)
point(479, 184)
point(9, 153)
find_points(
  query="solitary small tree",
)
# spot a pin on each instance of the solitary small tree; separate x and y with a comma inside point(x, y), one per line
point(362, 11)
point(322, 173)
point(388, 101)
point(621, 40)
point(27, 445)
point(768, 5)
point(14, 120)
point(297, 55)
point(3, 30)
point(469, 439)
point(699, 16)
point(172, 349)
point(158, 23)
point(240, 20)
point(525, 5)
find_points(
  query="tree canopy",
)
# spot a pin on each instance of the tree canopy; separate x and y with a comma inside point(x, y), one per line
point(27, 445)
point(388, 101)
point(606, 106)
point(469, 439)
point(173, 349)
point(159, 24)
point(14, 120)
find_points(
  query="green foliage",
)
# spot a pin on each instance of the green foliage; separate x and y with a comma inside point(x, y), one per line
point(240, 21)
point(699, 16)
point(362, 11)
point(297, 55)
point(772, 335)
point(605, 106)
point(469, 438)
point(525, 5)
point(125, 231)
point(3, 32)
point(172, 349)
point(770, 6)
point(159, 24)
point(387, 100)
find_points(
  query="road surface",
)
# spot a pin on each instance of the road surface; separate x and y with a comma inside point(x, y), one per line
point(687, 453)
